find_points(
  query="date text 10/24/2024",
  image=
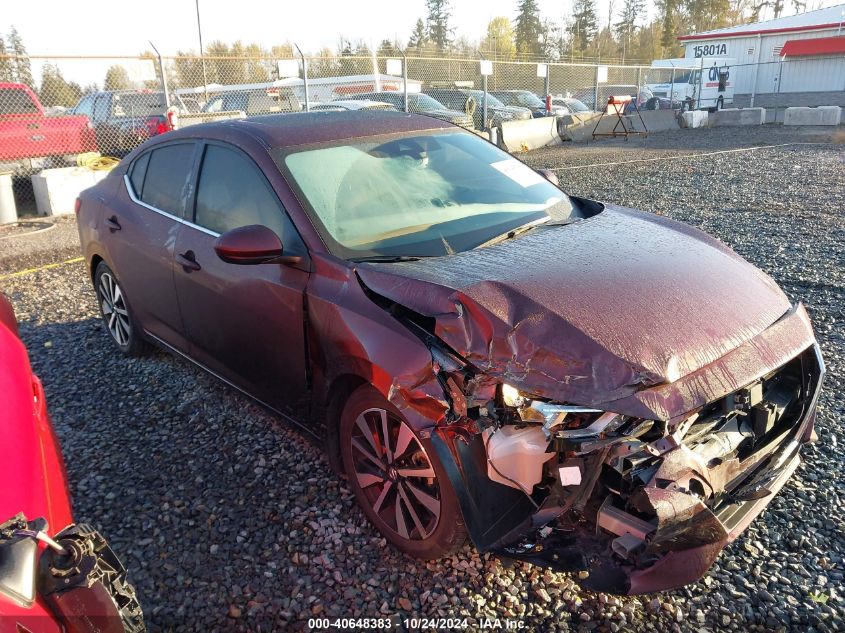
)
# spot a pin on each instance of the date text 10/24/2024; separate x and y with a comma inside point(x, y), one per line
point(414, 624)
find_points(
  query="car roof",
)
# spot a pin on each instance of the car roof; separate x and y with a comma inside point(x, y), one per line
point(302, 128)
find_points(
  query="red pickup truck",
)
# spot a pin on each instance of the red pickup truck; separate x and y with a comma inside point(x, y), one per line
point(30, 140)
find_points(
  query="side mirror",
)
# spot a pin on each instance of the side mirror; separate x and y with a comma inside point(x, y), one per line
point(252, 244)
point(549, 175)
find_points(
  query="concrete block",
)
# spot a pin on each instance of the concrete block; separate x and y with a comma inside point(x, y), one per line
point(521, 136)
point(56, 190)
point(802, 116)
point(831, 115)
point(737, 116)
point(694, 118)
point(655, 120)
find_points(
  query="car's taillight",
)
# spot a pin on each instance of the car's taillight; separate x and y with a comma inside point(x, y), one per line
point(157, 125)
point(77, 206)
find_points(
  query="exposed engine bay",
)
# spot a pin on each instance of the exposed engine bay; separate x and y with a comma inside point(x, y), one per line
point(619, 496)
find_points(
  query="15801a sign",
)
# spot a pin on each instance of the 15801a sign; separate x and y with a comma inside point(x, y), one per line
point(709, 50)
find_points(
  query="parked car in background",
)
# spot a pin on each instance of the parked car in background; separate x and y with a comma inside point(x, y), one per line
point(481, 353)
point(419, 104)
point(123, 119)
point(74, 583)
point(31, 140)
point(472, 101)
point(571, 105)
point(254, 101)
point(352, 104)
point(641, 97)
point(527, 99)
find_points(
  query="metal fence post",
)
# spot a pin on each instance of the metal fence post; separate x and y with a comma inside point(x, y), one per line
point(304, 77)
point(672, 91)
point(548, 82)
point(405, 79)
point(596, 90)
point(163, 76)
point(639, 82)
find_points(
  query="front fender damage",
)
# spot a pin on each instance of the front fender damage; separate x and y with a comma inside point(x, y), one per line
point(647, 502)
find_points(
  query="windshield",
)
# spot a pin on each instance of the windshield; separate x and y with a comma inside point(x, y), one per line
point(424, 102)
point(575, 106)
point(492, 102)
point(419, 195)
point(529, 100)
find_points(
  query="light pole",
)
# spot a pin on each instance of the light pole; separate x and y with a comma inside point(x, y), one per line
point(202, 56)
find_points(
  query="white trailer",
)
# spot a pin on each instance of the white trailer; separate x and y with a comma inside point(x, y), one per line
point(696, 84)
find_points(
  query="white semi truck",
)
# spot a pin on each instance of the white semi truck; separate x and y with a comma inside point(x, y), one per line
point(702, 83)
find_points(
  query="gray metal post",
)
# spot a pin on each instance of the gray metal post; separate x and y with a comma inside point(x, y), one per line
point(548, 86)
point(304, 77)
point(163, 76)
point(756, 68)
point(596, 90)
point(202, 55)
point(672, 91)
point(484, 110)
point(405, 80)
point(639, 81)
point(700, 84)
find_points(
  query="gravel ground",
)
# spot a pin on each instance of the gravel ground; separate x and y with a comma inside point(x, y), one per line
point(228, 519)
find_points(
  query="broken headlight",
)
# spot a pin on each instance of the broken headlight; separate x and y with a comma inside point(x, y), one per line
point(573, 420)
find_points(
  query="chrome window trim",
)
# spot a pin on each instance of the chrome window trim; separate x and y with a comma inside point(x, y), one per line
point(128, 184)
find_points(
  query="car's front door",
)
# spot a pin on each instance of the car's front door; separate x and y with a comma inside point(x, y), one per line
point(244, 322)
point(143, 235)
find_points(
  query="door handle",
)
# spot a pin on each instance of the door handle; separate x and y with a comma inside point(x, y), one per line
point(188, 261)
point(113, 224)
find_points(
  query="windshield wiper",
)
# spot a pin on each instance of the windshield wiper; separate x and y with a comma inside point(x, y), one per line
point(514, 232)
point(388, 258)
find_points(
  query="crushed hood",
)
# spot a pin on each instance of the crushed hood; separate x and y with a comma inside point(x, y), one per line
point(590, 312)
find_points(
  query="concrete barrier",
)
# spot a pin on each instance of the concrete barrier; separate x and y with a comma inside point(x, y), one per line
point(521, 136)
point(694, 118)
point(56, 190)
point(823, 115)
point(655, 121)
point(732, 117)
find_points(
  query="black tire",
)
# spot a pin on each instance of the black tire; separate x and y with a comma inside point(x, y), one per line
point(408, 495)
point(117, 314)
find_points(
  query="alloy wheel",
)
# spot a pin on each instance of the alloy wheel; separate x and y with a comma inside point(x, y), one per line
point(395, 474)
point(115, 311)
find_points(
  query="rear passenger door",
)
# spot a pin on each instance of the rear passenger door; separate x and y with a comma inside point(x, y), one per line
point(244, 322)
point(143, 235)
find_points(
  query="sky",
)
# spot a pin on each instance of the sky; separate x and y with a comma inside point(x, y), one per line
point(62, 27)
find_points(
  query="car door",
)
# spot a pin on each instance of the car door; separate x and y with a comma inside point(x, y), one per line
point(143, 236)
point(243, 322)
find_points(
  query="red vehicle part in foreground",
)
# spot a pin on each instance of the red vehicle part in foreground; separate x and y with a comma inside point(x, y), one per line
point(35, 486)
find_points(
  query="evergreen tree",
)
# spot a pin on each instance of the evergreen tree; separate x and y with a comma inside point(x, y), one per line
point(116, 79)
point(626, 27)
point(55, 91)
point(418, 36)
point(6, 68)
point(584, 25)
point(528, 28)
point(22, 70)
point(439, 31)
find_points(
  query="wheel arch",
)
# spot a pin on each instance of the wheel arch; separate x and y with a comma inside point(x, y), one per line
point(338, 393)
point(95, 261)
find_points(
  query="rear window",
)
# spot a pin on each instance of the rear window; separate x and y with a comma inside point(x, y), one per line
point(139, 169)
point(16, 101)
point(167, 174)
point(140, 104)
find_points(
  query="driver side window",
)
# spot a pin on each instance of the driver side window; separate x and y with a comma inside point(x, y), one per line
point(232, 192)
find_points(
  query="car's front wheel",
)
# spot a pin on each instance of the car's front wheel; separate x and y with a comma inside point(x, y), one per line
point(116, 312)
point(402, 488)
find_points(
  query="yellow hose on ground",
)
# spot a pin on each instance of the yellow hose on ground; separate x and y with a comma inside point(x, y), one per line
point(96, 161)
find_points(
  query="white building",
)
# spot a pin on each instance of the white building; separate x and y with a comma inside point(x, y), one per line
point(799, 53)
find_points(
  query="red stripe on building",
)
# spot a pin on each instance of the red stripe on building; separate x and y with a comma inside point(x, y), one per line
point(818, 46)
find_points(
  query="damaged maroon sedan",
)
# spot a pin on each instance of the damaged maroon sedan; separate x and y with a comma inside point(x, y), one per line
point(575, 384)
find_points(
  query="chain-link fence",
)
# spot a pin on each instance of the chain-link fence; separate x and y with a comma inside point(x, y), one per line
point(55, 109)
